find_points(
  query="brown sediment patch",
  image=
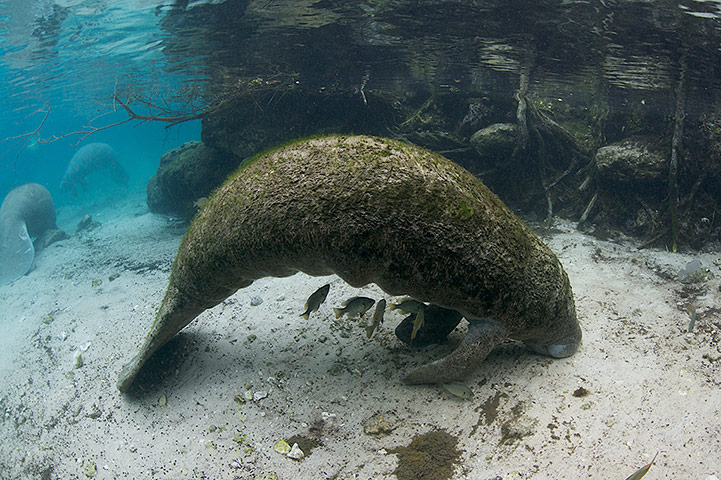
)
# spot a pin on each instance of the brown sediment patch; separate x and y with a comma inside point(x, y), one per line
point(430, 456)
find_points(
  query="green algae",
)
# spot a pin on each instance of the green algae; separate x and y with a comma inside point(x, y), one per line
point(431, 456)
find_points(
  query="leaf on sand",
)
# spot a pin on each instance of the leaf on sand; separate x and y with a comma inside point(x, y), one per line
point(642, 471)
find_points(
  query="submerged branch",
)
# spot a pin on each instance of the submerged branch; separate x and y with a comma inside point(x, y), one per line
point(24, 139)
point(675, 147)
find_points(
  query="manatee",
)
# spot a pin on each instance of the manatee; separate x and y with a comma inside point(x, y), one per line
point(27, 211)
point(89, 159)
point(373, 210)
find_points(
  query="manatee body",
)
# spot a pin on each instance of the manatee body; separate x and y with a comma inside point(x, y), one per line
point(27, 211)
point(89, 159)
point(373, 210)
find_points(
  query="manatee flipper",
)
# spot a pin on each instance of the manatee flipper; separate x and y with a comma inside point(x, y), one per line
point(16, 252)
point(481, 338)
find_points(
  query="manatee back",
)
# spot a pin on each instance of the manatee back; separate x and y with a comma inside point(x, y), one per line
point(374, 211)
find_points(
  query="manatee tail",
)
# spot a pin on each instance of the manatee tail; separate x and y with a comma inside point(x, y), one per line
point(16, 252)
point(174, 313)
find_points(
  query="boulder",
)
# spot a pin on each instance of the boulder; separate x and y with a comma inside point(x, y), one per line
point(185, 175)
point(495, 143)
point(635, 160)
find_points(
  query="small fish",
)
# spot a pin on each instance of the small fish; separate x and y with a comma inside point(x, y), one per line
point(354, 306)
point(315, 300)
point(458, 389)
point(418, 322)
point(377, 317)
point(642, 471)
point(199, 203)
point(408, 305)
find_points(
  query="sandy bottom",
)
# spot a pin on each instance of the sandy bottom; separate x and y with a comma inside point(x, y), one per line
point(242, 376)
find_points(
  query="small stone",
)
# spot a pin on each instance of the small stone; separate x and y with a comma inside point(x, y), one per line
point(86, 223)
point(162, 401)
point(248, 395)
point(96, 282)
point(379, 425)
point(50, 237)
point(518, 428)
point(296, 453)
point(255, 301)
point(282, 447)
point(95, 412)
point(280, 298)
point(260, 395)
point(580, 392)
point(90, 469)
point(77, 359)
point(336, 369)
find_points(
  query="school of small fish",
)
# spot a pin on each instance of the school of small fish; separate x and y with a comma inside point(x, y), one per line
point(358, 306)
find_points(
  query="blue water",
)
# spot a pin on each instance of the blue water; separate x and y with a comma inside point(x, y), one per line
point(69, 61)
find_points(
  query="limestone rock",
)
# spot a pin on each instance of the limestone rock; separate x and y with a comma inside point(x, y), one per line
point(186, 174)
point(495, 142)
point(634, 160)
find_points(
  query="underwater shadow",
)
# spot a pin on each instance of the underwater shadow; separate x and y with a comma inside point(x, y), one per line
point(158, 373)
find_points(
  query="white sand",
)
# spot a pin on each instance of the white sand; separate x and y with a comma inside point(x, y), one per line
point(652, 386)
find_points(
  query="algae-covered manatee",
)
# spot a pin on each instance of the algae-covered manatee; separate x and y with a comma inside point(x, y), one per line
point(373, 210)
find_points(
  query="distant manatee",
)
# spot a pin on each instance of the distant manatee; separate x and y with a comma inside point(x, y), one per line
point(26, 212)
point(89, 159)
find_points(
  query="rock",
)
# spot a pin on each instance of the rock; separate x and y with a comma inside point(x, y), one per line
point(380, 424)
point(77, 359)
point(257, 396)
point(94, 412)
point(495, 143)
point(518, 428)
point(296, 453)
point(255, 301)
point(90, 469)
point(689, 273)
point(186, 174)
point(49, 237)
point(634, 160)
point(86, 223)
point(282, 447)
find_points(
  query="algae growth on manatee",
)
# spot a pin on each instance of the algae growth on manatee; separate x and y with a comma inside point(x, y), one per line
point(373, 210)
